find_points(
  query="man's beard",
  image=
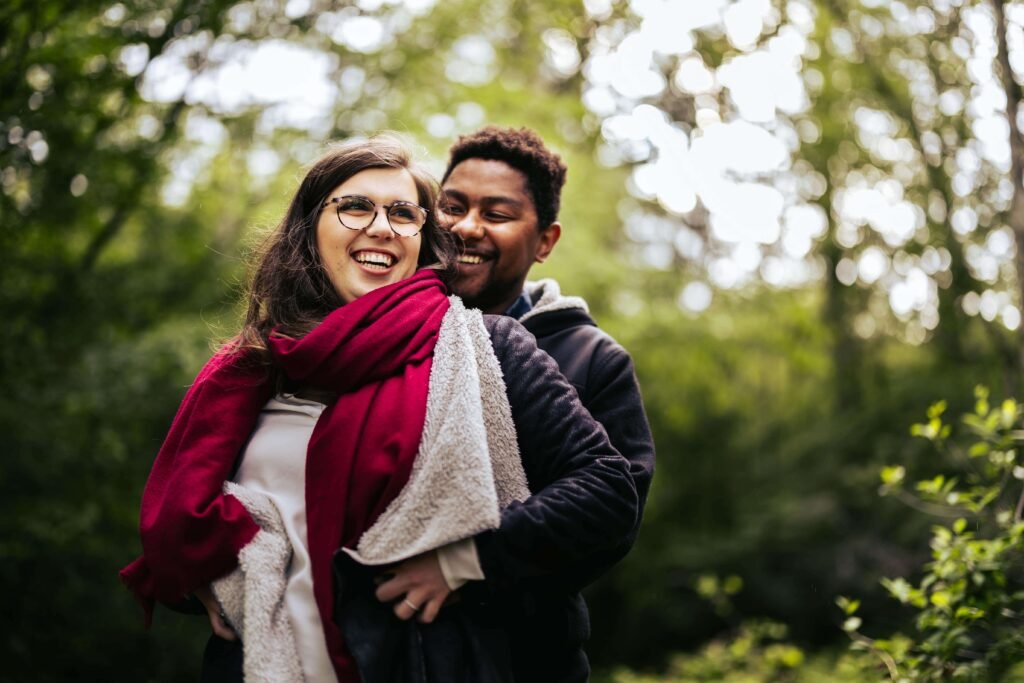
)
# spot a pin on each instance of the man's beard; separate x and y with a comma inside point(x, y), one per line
point(486, 295)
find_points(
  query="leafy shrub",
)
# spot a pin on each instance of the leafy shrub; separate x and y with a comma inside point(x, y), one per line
point(758, 651)
point(968, 604)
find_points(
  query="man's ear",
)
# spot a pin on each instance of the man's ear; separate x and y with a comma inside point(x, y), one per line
point(548, 239)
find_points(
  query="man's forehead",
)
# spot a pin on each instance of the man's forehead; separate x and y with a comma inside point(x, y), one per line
point(488, 176)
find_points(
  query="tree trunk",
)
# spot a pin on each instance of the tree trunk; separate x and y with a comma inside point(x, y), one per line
point(1016, 216)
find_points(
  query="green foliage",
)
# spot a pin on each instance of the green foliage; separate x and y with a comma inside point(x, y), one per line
point(969, 602)
point(762, 475)
point(755, 651)
point(771, 416)
point(719, 592)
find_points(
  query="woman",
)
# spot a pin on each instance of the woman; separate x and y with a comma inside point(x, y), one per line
point(362, 409)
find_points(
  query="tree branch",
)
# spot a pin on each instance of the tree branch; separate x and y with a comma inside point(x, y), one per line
point(924, 506)
point(110, 229)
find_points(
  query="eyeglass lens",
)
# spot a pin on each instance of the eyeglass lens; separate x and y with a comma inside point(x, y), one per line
point(358, 213)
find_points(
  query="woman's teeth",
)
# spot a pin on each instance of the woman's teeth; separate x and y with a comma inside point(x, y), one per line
point(471, 259)
point(374, 260)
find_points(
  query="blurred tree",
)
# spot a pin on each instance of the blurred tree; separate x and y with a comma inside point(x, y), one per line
point(95, 272)
point(893, 129)
point(885, 183)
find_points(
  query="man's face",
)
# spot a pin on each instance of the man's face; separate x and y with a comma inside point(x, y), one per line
point(488, 204)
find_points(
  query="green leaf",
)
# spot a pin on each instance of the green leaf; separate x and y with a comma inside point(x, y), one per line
point(732, 585)
point(1008, 413)
point(940, 599)
point(968, 613)
point(893, 476)
point(959, 525)
point(852, 624)
point(847, 605)
point(706, 585)
point(978, 424)
point(979, 449)
point(981, 402)
point(899, 588)
point(931, 485)
point(790, 656)
point(936, 410)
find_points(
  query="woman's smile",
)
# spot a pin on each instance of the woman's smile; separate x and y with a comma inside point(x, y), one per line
point(374, 261)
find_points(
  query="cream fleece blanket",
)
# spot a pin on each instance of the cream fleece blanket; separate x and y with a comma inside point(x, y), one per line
point(466, 471)
point(252, 596)
point(550, 299)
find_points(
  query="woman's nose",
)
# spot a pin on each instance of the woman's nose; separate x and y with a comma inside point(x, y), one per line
point(380, 227)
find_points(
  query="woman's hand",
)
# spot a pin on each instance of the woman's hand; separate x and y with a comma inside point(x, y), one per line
point(418, 585)
point(217, 623)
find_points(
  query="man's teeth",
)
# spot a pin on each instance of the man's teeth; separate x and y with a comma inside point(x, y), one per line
point(374, 259)
point(471, 259)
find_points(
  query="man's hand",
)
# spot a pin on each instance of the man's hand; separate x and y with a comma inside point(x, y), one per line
point(418, 585)
point(217, 622)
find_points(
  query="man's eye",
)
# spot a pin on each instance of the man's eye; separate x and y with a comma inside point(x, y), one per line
point(451, 209)
point(491, 216)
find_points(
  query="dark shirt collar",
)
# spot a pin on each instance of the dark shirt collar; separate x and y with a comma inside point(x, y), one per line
point(520, 307)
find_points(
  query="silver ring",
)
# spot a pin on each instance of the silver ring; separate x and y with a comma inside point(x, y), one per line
point(411, 606)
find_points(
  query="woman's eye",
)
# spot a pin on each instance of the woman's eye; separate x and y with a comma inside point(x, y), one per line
point(402, 213)
point(355, 205)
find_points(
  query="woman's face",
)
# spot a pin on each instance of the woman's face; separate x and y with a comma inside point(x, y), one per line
point(360, 261)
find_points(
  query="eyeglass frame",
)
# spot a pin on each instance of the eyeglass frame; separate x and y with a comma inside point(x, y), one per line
point(376, 207)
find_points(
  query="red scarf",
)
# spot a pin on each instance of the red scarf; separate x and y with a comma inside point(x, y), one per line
point(376, 352)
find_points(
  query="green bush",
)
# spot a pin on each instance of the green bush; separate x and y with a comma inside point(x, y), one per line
point(968, 603)
point(758, 651)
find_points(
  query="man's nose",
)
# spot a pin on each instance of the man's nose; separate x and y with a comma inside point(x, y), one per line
point(469, 227)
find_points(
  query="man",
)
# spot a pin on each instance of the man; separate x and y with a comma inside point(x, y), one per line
point(500, 195)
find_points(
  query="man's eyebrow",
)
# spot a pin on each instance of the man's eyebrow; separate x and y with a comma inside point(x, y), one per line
point(453, 193)
point(490, 199)
point(501, 199)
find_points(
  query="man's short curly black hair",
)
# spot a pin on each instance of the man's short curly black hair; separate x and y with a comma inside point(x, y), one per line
point(523, 150)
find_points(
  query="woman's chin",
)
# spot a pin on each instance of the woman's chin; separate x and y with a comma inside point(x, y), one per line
point(367, 284)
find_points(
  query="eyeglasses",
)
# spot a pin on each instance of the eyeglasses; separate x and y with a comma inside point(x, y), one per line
point(356, 212)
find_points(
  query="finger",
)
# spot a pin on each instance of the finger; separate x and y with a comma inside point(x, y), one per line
point(392, 589)
point(410, 604)
point(221, 628)
point(430, 611)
